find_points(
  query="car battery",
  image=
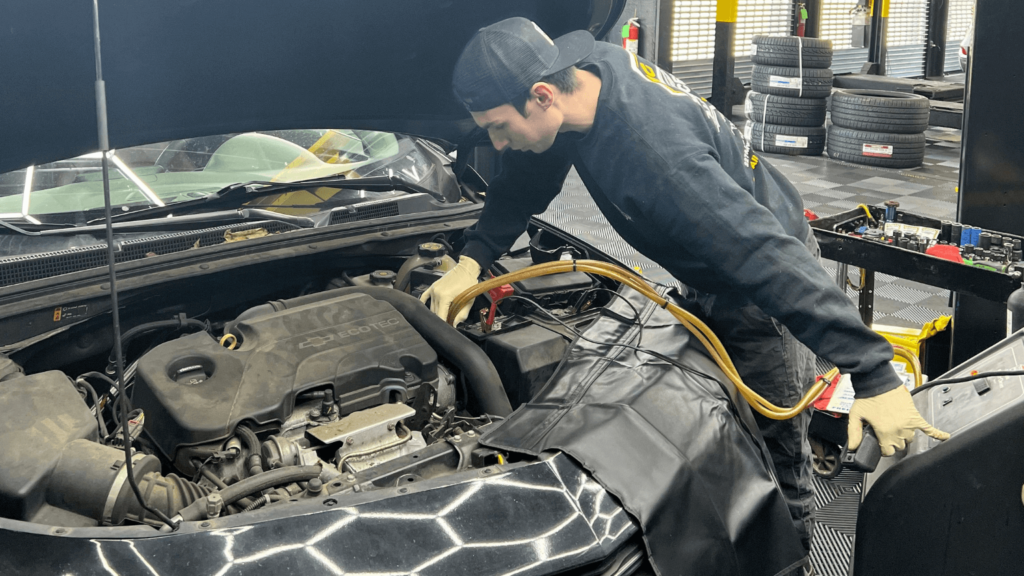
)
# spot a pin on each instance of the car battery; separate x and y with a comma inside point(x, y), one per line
point(552, 291)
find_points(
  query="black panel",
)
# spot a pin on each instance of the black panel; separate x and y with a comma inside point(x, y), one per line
point(961, 502)
point(960, 499)
point(992, 166)
point(525, 359)
point(39, 416)
point(20, 269)
point(992, 163)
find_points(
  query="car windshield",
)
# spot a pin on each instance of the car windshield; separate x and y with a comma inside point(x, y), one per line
point(169, 172)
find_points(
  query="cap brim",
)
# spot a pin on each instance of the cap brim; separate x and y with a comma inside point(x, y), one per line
point(572, 48)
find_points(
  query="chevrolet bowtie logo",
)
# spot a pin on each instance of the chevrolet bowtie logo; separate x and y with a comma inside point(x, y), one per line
point(316, 341)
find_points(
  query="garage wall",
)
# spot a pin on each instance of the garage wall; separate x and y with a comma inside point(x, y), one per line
point(647, 12)
point(837, 26)
point(961, 14)
point(693, 41)
point(907, 38)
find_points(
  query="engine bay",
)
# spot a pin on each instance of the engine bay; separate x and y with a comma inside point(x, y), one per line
point(350, 387)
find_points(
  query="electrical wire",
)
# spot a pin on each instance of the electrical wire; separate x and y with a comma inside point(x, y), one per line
point(100, 424)
point(693, 324)
point(178, 322)
point(636, 349)
point(636, 312)
point(440, 239)
point(868, 212)
point(970, 378)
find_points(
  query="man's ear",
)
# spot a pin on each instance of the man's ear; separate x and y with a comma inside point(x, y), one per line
point(544, 94)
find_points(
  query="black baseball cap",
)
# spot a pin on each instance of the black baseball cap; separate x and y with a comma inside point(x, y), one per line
point(504, 60)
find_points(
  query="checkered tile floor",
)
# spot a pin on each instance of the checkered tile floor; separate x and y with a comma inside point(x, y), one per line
point(827, 187)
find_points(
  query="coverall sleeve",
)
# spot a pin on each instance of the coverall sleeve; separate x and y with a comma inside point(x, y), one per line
point(698, 204)
point(525, 186)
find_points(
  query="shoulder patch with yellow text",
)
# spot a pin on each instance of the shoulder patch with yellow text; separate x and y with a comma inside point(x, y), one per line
point(658, 76)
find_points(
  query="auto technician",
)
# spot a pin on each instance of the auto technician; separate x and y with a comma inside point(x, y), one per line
point(680, 184)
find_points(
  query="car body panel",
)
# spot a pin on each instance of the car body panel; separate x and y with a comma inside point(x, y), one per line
point(531, 519)
point(965, 48)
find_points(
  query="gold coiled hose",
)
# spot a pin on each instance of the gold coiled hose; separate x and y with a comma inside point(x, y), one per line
point(700, 330)
point(912, 362)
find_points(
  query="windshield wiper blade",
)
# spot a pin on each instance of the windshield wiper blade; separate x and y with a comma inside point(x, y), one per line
point(245, 191)
point(10, 226)
point(34, 229)
point(157, 224)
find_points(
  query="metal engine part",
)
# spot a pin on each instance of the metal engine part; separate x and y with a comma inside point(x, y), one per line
point(358, 441)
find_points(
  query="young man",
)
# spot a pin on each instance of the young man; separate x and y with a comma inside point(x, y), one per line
point(679, 183)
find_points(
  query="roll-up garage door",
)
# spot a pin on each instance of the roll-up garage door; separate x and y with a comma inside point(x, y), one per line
point(769, 17)
point(908, 34)
point(693, 43)
point(693, 37)
point(837, 26)
point(961, 14)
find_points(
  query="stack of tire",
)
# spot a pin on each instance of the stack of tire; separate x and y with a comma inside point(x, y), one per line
point(877, 128)
point(790, 84)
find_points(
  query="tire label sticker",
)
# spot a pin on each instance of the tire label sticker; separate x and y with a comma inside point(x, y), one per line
point(784, 82)
point(791, 141)
point(753, 49)
point(877, 150)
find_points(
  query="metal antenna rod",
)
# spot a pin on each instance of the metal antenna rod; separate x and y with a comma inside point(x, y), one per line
point(101, 121)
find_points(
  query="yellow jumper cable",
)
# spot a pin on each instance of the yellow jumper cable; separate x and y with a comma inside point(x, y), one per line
point(699, 330)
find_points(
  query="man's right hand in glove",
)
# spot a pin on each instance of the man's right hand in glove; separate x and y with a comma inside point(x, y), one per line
point(459, 279)
point(894, 418)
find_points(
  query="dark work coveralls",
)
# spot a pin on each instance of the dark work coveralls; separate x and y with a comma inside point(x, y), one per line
point(679, 183)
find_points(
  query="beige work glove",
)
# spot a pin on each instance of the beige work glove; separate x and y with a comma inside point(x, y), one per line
point(894, 419)
point(455, 282)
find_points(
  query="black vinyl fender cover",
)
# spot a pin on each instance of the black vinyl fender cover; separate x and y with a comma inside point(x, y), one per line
point(679, 449)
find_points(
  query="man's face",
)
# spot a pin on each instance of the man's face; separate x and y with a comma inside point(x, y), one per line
point(508, 128)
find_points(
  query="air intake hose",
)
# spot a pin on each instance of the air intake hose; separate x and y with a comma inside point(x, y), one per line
point(481, 377)
point(91, 480)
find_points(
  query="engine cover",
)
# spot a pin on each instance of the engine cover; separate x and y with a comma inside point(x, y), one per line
point(193, 390)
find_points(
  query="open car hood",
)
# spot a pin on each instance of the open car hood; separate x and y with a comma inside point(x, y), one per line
point(186, 68)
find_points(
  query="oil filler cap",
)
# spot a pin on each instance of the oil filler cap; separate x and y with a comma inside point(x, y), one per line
point(190, 371)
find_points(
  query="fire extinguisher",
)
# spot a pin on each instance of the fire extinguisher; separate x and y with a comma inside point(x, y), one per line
point(861, 25)
point(801, 19)
point(631, 35)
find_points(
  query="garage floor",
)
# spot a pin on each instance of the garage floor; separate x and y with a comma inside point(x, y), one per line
point(827, 186)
